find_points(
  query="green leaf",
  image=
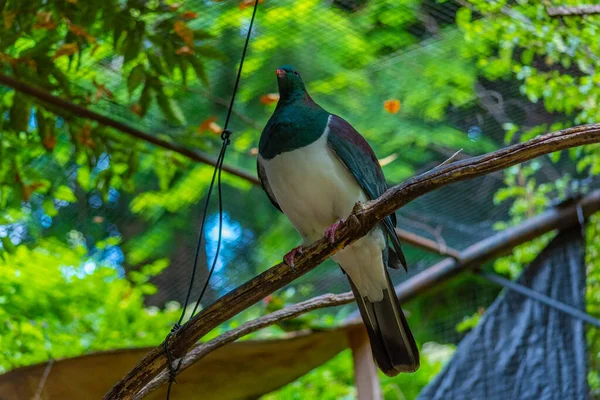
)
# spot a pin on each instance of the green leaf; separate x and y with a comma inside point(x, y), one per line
point(202, 34)
point(527, 56)
point(168, 52)
point(468, 323)
point(20, 112)
point(145, 98)
point(198, 66)
point(83, 177)
point(65, 193)
point(183, 66)
point(133, 42)
point(170, 110)
point(210, 52)
point(7, 244)
point(49, 208)
point(157, 64)
point(136, 77)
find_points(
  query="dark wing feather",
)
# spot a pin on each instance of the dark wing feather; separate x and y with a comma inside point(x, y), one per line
point(264, 182)
point(354, 151)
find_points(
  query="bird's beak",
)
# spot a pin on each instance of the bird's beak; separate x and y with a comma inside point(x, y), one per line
point(280, 73)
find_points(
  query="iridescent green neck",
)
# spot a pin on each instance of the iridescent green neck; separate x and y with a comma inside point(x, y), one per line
point(296, 123)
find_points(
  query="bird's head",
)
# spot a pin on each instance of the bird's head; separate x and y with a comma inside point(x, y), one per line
point(290, 83)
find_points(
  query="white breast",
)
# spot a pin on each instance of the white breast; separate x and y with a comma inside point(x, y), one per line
point(313, 188)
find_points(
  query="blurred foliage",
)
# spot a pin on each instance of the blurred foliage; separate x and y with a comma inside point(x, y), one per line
point(58, 300)
point(90, 218)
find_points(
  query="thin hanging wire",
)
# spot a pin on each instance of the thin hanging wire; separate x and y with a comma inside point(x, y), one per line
point(216, 174)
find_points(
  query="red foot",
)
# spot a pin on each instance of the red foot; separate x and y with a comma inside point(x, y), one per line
point(289, 257)
point(330, 232)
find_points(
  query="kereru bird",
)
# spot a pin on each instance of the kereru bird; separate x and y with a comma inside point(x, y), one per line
point(314, 167)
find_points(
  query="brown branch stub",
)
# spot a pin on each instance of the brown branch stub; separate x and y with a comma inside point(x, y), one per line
point(565, 11)
point(367, 217)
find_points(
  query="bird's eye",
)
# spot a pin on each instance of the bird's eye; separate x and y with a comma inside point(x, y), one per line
point(296, 73)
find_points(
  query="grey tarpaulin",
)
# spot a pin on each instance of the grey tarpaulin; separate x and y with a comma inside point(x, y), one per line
point(522, 349)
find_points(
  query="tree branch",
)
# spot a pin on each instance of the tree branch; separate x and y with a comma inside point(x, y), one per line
point(562, 11)
point(363, 218)
point(202, 350)
point(129, 130)
point(474, 255)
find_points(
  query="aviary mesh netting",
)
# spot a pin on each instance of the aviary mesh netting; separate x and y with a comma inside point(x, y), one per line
point(351, 68)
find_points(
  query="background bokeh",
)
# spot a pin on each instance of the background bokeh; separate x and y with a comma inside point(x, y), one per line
point(99, 229)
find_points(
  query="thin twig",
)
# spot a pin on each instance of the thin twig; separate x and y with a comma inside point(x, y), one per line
point(44, 378)
point(437, 246)
point(451, 158)
point(362, 220)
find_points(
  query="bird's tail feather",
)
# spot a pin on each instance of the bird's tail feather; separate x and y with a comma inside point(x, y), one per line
point(392, 342)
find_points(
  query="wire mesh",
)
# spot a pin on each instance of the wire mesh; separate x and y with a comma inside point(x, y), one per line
point(457, 216)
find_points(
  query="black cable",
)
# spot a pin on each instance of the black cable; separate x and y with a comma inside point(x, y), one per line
point(216, 174)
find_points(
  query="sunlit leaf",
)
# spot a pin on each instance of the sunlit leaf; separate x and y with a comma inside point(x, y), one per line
point(65, 193)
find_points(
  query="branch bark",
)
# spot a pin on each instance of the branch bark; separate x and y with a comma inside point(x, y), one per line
point(363, 218)
point(563, 11)
point(473, 256)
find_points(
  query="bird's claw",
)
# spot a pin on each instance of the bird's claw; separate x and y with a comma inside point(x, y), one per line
point(289, 257)
point(330, 232)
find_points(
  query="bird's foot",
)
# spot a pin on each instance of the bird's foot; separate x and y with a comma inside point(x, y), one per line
point(330, 232)
point(289, 257)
